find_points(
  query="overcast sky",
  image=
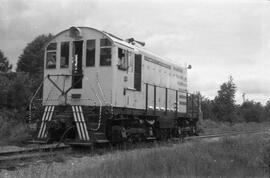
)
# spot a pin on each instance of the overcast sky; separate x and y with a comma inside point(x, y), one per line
point(218, 38)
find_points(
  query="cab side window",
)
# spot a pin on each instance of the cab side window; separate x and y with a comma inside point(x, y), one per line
point(51, 56)
point(123, 59)
point(105, 52)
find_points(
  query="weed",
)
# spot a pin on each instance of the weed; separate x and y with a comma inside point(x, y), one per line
point(230, 157)
point(59, 158)
point(13, 129)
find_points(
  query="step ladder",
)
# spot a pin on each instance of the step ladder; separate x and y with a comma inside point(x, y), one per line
point(47, 116)
point(98, 137)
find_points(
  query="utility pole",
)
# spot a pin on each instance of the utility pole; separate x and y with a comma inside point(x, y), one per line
point(244, 97)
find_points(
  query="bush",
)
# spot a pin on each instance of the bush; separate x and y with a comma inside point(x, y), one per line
point(14, 91)
point(5, 85)
point(13, 128)
point(210, 127)
point(252, 111)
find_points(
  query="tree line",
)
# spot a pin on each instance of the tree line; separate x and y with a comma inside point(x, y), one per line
point(16, 88)
point(224, 108)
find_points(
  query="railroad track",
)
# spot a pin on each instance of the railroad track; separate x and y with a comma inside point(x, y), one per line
point(226, 134)
point(10, 158)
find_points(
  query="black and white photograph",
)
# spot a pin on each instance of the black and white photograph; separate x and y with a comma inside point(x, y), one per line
point(134, 88)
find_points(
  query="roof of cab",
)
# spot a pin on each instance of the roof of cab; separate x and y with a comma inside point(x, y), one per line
point(120, 41)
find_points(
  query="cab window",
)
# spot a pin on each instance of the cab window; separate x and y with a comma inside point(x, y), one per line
point(51, 56)
point(64, 60)
point(105, 52)
point(123, 59)
point(105, 42)
point(90, 52)
point(52, 46)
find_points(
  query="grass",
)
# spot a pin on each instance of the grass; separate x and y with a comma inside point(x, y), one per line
point(245, 156)
point(209, 126)
point(230, 157)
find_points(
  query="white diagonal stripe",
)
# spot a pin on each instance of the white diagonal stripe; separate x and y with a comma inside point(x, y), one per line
point(43, 134)
point(76, 121)
point(45, 122)
point(49, 119)
point(83, 122)
point(51, 113)
point(80, 122)
point(43, 119)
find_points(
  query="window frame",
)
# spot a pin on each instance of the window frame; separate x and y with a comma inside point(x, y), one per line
point(107, 40)
point(67, 66)
point(51, 50)
point(124, 61)
point(105, 47)
point(50, 44)
point(86, 56)
point(138, 62)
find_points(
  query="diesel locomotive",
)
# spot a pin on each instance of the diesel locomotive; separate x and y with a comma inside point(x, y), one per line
point(99, 88)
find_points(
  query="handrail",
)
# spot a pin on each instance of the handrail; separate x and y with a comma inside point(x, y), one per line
point(181, 91)
point(31, 101)
point(100, 107)
point(101, 90)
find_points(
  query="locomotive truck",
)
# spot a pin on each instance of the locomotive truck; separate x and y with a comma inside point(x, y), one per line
point(99, 88)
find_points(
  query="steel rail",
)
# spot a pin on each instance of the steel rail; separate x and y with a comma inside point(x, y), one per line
point(225, 134)
point(31, 152)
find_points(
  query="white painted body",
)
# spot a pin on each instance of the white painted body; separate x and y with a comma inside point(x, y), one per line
point(105, 85)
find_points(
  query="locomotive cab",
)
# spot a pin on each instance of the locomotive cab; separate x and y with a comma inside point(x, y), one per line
point(78, 66)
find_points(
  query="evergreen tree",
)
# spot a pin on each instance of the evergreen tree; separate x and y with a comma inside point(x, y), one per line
point(4, 63)
point(31, 60)
point(224, 108)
